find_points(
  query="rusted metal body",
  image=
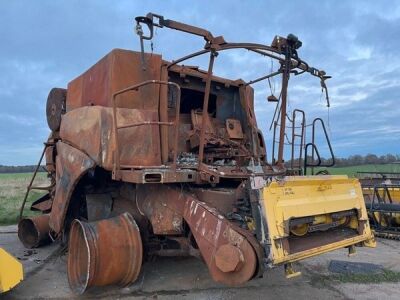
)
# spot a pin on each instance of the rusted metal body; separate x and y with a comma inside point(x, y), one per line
point(71, 165)
point(114, 72)
point(220, 242)
point(171, 148)
point(104, 252)
point(34, 231)
point(229, 256)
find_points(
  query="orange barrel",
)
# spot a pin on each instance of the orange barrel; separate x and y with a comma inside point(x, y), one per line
point(34, 231)
point(105, 252)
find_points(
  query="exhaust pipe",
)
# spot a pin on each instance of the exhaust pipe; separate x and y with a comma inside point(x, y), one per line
point(33, 232)
point(105, 252)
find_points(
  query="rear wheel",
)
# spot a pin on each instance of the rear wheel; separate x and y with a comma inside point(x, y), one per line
point(55, 107)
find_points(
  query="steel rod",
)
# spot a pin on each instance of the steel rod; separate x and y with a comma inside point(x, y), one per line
point(205, 107)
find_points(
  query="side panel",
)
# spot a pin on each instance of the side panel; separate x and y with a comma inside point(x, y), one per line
point(90, 129)
point(71, 165)
point(163, 206)
point(115, 71)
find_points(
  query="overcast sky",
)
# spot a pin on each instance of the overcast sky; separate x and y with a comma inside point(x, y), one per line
point(45, 44)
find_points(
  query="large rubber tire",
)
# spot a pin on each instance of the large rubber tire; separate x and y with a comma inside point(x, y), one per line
point(55, 107)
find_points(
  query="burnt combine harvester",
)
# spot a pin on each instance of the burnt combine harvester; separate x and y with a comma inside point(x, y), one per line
point(149, 157)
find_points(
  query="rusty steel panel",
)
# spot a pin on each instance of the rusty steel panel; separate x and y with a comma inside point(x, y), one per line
point(223, 199)
point(234, 129)
point(44, 206)
point(164, 220)
point(71, 165)
point(90, 129)
point(185, 128)
point(49, 155)
point(44, 203)
point(84, 128)
point(228, 254)
point(105, 252)
point(196, 72)
point(98, 206)
point(115, 71)
point(50, 152)
point(125, 201)
point(34, 231)
point(163, 206)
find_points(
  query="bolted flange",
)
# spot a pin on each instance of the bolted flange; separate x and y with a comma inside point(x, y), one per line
point(228, 258)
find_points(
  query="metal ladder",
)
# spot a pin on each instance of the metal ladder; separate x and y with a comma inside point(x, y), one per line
point(297, 133)
point(30, 186)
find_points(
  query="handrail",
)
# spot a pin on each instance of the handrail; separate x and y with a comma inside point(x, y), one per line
point(306, 164)
point(117, 162)
point(327, 140)
point(315, 150)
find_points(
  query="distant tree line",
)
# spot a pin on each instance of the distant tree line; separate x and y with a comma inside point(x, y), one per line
point(369, 159)
point(355, 160)
point(20, 169)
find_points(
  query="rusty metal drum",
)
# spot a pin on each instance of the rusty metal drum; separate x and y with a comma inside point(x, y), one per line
point(105, 252)
point(33, 232)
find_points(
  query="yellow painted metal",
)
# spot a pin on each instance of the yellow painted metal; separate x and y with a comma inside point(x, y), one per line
point(290, 272)
point(315, 197)
point(394, 193)
point(11, 272)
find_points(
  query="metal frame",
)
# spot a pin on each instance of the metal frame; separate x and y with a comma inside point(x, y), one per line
point(383, 204)
point(283, 50)
point(117, 159)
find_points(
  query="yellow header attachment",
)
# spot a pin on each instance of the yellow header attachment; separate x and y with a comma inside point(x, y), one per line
point(11, 272)
point(311, 215)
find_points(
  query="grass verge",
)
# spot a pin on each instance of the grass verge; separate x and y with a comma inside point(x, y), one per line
point(384, 276)
point(12, 192)
point(352, 170)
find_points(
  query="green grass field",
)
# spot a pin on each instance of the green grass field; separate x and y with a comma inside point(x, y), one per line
point(352, 171)
point(12, 192)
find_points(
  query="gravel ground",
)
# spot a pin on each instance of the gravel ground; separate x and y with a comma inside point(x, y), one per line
point(187, 278)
